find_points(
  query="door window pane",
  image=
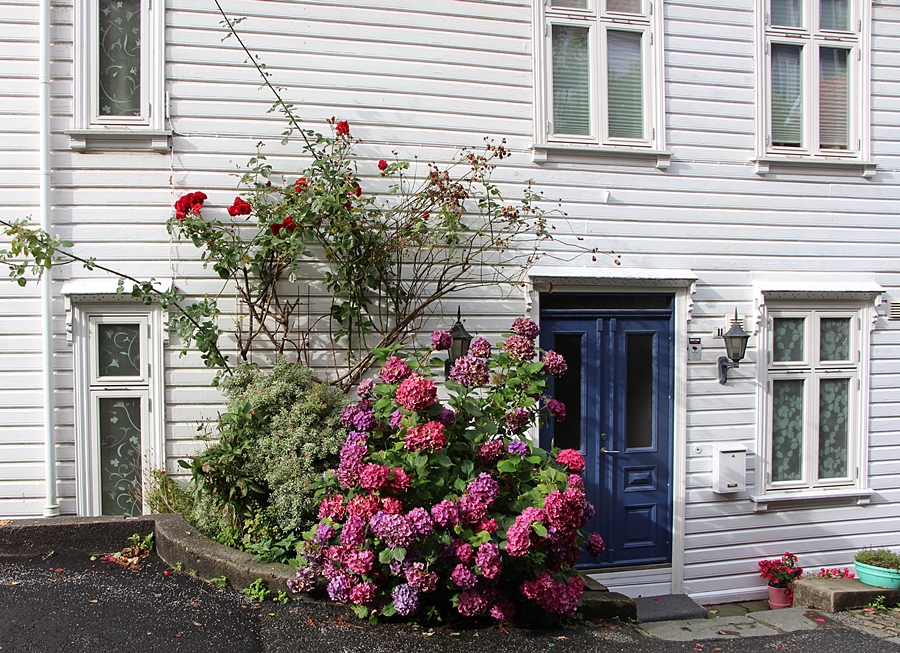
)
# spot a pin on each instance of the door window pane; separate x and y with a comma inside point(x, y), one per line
point(624, 6)
point(120, 455)
point(119, 58)
point(567, 389)
point(834, 99)
point(787, 13)
point(834, 414)
point(571, 80)
point(118, 350)
point(788, 339)
point(834, 341)
point(787, 96)
point(625, 83)
point(640, 383)
point(834, 14)
point(787, 430)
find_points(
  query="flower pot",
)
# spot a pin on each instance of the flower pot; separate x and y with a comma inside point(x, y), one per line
point(778, 600)
point(878, 576)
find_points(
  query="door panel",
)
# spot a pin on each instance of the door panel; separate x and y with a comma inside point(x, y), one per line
point(622, 422)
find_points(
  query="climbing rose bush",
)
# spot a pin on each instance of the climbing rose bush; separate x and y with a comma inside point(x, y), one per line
point(441, 508)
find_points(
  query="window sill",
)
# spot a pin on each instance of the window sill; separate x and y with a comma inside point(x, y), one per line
point(766, 164)
point(120, 139)
point(775, 499)
point(558, 152)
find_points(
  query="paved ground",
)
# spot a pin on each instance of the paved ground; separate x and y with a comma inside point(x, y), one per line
point(70, 603)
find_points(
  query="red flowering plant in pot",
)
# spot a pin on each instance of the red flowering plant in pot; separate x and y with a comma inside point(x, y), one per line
point(781, 575)
point(443, 510)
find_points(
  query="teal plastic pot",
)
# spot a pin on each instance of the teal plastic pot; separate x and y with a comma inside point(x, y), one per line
point(889, 579)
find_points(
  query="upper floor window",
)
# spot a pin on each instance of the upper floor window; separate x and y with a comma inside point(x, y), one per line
point(815, 98)
point(601, 73)
point(119, 62)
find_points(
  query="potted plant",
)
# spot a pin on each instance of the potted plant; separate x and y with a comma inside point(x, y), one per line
point(781, 575)
point(879, 568)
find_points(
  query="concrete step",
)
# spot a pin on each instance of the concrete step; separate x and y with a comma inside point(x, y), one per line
point(839, 594)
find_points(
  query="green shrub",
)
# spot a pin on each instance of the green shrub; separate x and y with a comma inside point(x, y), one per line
point(879, 558)
point(167, 496)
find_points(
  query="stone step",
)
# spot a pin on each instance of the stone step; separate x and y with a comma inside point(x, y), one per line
point(839, 594)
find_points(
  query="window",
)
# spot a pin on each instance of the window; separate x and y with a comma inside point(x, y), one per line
point(601, 63)
point(813, 426)
point(119, 89)
point(815, 79)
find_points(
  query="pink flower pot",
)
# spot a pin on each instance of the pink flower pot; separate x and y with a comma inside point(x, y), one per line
point(778, 600)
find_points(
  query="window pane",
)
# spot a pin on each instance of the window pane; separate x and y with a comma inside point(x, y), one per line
point(624, 6)
point(567, 389)
point(834, 14)
point(118, 350)
point(834, 99)
point(625, 82)
point(787, 96)
point(640, 383)
point(787, 430)
point(570, 4)
point(788, 339)
point(119, 73)
point(834, 341)
point(571, 80)
point(834, 413)
point(120, 455)
point(786, 13)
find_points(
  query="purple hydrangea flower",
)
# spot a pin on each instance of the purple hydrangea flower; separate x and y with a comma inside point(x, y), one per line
point(463, 577)
point(525, 327)
point(517, 419)
point(554, 363)
point(484, 489)
point(480, 348)
point(339, 588)
point(471, 510)
point(394, 370)
point(445, 513)
point(557, 409)
point(441, 340)
point(392, 530)
point(519, 347)
point(595, 545)
point(487, 560)
point(470, 372)
point(364, 420)
point(421, 522)
point(446, 416)
point(365, 388)
point(406, 600)
point(324, 532)
point(518, 447)
point(304, 581)
point(396, 417)
point(471, 603)
point(353, 534)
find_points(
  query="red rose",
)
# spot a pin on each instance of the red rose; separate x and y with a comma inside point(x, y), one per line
point(289, 224)
point(240, 207)
point(357, 191)
point(382, 165)
point(190, 203)
point(276, 227)
point(342, 128)
point(301, 184)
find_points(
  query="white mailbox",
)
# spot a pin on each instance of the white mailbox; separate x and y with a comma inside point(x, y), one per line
point(729, 468)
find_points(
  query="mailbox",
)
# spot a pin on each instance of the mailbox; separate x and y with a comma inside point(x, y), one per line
point(729, 468)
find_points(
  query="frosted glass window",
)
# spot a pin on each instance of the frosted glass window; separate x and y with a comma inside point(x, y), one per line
point(120, 455)
point(834, 417)
point(571, 80)
point(787, 95)
point(118, 350)
point(834, 339)
point(787, 13)
point(788, 339)
point(625, 84)
point(787, 430)
point(834, 99)
point(834, 14)
point(624, 6)
point(119, 58)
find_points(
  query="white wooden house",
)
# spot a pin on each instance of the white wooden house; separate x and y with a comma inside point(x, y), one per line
point(736, 154)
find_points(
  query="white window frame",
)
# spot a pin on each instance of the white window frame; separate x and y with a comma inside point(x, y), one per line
point(858, 42)
point(93, 130)
point(599, 22)
point(89, 387)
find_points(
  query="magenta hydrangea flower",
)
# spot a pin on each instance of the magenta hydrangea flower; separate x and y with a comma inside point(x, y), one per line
point(518, 448)
point(488, 561)
point(572, 459)
point(503, 610)
point(447, 416)
point(565, 510)
point(339, 588)
point(418, 578)
point(353, 534)
point(471, 603)
point(365, 388)
point(463, 552)
point(480, 348)
point(421, 521)
point(441, 340)
point(471, 510)
point(463, 577)
point(364, 506)
point(519, 347)
point(554, 363)
point(374, 476)
point(392, 530)
point(428, 436)
point(396, 418)
point(416, 393)
point(469, 372)
point(557, 409)
point(518, 540)
point(394, 370)
point(595, 545)
point(483, 489)
point(517, 419)
point(575, 480)
point(364, 593)
point(556, 597)
point(525, 327)
point(490, 452)
point(360, 562)
point(406, 600)
point(445, 513)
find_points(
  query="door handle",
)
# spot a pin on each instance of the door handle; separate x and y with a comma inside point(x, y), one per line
point(607, 451)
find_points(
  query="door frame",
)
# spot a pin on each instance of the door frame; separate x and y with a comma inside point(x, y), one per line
point(634, 281)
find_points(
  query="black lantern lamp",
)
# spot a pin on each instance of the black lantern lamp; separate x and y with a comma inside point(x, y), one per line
point(735, 348)
point(461, 341)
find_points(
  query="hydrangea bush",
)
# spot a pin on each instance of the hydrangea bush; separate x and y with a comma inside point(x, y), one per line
point(445, 507)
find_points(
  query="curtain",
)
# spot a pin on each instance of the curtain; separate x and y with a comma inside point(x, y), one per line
point(571, 80)
point(625, 84)
point(787, 95)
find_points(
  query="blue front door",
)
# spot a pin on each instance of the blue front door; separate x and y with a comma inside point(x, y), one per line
point(618, 396)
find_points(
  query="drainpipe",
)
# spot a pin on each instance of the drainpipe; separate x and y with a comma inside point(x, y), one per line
point(51, 508)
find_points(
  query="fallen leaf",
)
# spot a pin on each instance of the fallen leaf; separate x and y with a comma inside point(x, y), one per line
point(177, 635)
point(92, 601)
point(428, 634)
point(717, 650)
point(604, 634)
point(197, 623)
point(820, 620)
point(561, 638)
point(59, 570)
point(454, 634)
point(5, 522)
point(149, 632)
point(311, 622)
point(726, 632)
point(271, 614)
point(16, 582)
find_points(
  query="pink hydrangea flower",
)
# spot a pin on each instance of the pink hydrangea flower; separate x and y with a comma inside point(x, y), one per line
point(394, 370)
point(525, 327)
point(391, 506)
point(360, 562)
point(364, 506)
point(503, 610)
point(332, 506)
point(595, 545)
point(572, 459)
point(488, 561)
point(471, 603)
point(364, 593)
point(469, 372)
point(471, 510)
point(463, 552)
point(518, 540)
point(416, 393)
point(565, 510)
point(428, 436)
point(418, 578)
point(480, 348)
point(483, 489)
point(554, 363)
point(490, 452)
point(463, 577)
point(445, 513)
point(517, 419)
point(399, 481)
point(441, 340)
point(353, 534)
point(374, 476)
point(421, 521)
point(557, 409)
point(519, 347)
point(365, 388)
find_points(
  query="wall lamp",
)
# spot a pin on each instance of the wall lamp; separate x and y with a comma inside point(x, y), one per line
point(461, 341)
point(735, 348)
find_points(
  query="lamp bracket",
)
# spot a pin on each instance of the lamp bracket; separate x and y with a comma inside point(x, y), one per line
point(724, 364)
